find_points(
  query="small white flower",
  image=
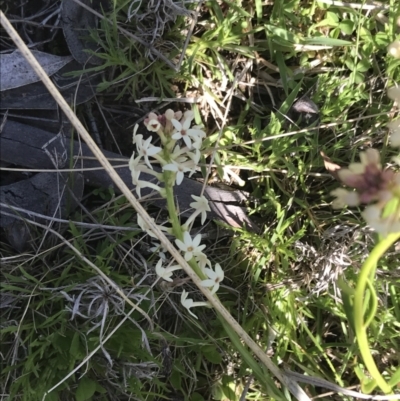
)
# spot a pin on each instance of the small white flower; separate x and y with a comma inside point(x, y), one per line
point(190, 246)
point(189, 303)
point(188, 115)
point(195, 155)
point(180, 168)
point(146, 149)
point(135, 172)
point(166, 273)
point(136, 168)
point(197, 133)
point(344, 198)
point(169, 114)
point(137, 183)
point(394, 126)
point(135, 128)
point(394, 49)
point(178, 153)
point(370, 156)
point(395, 139)
point(367, 158)
point(394, 93)
point(157, 248)
point(214, 278)
point(390, 224)
point(201, 206)
point(146, 227)
point(134, 163)
point(201, 203)
point(153, 125)
point(182, 131)
point(202, 260)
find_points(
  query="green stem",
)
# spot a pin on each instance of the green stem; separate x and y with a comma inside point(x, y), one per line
point(365, 279)
point(169, 180)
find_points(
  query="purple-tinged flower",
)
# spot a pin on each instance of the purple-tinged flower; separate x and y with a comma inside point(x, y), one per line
point(368, 179)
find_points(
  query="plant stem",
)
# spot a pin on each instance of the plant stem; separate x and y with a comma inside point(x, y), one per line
point(169, 179)
point(365, 279)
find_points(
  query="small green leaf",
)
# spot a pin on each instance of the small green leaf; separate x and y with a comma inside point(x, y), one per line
point(280, 60)
point(229, 393)
point(258, 9)
point(86, 389)
point(358, 77)
point(74, 348)
point(211, 354)
point(347, 26)
point(347, 299)
point(324, 41)
point(53, 396)
point(381, 40)
point(350, 64)
point(100, 389)
point(395, 379)
point(218, 163)
point(332, 18)
point(196, 397)
point(217, 392)
point(286, 36)
point(367, 384)
point(240, 10)
point(363, 65)
point(175, 380)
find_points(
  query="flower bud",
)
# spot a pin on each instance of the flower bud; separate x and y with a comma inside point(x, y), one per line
point(394, 49)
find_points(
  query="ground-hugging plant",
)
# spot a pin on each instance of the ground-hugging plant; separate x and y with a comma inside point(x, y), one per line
point(179, 153)
point(379, 189)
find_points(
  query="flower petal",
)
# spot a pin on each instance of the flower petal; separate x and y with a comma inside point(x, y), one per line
point(170, 167)
point(180, 245)
point(179, 177)
point(207, 283)
point(177, 125)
